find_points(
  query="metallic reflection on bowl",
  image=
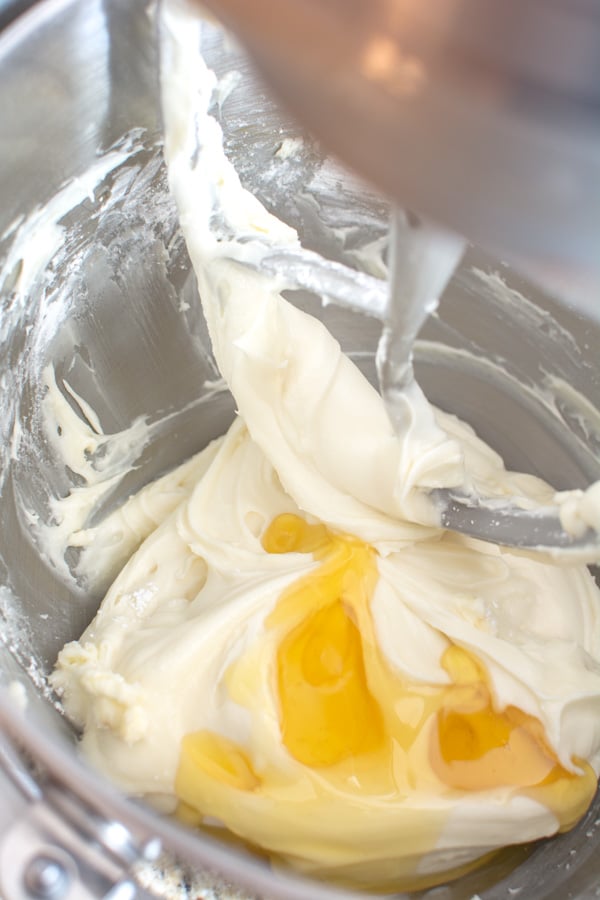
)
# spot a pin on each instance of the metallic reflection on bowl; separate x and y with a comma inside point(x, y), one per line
point(95, 283)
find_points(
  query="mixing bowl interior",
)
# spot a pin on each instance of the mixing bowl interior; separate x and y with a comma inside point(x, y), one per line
point(100, 310)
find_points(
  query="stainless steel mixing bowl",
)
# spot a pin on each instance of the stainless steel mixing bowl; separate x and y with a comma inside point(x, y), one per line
point(481, 115)
point(95, 283)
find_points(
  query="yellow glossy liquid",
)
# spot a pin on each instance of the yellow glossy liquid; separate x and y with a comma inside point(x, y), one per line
point(327, 710)
point(360, 727)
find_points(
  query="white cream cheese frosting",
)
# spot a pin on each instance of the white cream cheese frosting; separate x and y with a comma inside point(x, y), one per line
point(296, 651)
point(182, 646)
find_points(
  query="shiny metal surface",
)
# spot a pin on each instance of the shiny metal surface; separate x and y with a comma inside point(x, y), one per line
point(481, 115)
point(107, 310)
point(10, 9)
point(505, 524)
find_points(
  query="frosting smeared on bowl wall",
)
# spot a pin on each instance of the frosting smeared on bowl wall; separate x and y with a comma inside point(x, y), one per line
point(294, 651)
